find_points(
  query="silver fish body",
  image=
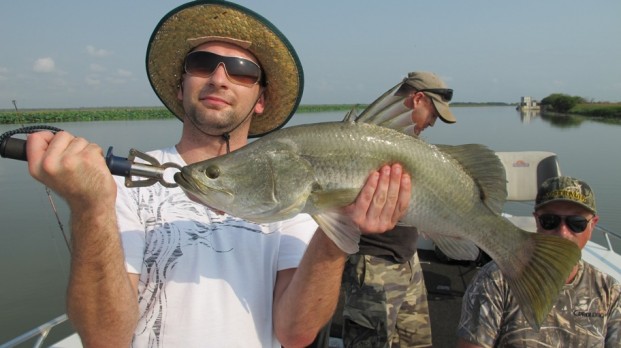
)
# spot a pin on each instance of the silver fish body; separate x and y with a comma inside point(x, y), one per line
point(457, 195)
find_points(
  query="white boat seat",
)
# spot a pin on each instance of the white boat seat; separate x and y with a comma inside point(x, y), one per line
point(526, 170)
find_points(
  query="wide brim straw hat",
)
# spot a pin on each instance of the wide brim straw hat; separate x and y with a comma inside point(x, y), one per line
point(176, 35)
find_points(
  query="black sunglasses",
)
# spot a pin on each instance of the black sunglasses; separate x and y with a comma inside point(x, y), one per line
point(238, 70)
point(445, 93)
point(576, 223)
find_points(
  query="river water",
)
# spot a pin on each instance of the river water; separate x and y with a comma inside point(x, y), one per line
point(34, 259)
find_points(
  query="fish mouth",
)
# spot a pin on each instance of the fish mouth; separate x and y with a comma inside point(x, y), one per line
point(183, 182)
point(195, 187)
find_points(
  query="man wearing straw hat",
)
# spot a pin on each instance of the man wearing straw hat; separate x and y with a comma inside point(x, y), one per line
point(149, 266)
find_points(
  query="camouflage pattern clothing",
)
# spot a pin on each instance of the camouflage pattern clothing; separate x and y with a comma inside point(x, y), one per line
point(385, 303)
point(587, 313)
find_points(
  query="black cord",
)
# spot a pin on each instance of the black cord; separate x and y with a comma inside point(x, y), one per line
point(29, 130)
point(227, 137)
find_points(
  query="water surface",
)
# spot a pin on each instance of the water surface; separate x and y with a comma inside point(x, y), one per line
point(34, 261)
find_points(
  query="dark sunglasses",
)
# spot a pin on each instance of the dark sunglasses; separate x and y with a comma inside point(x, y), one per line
point(238, 70)
point(576, 223)
point(445, 93)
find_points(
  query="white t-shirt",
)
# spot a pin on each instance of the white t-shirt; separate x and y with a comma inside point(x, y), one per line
point(206, 279)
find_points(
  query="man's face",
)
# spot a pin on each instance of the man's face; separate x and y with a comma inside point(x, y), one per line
point(563, 210)
point(424, 114)
point(216, 103)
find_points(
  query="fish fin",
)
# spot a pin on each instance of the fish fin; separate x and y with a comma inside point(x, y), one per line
point(537, 271)
point(343, 232)
point(325, 200)
point(486, 170)
point(351, 115)
point(388, 111)
point(457, 248)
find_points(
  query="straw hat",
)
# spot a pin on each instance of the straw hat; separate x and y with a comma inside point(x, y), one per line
point(185, 26)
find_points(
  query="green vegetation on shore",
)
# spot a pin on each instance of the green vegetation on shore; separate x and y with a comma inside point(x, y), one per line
point(598, 110)
point(83, 114)
point(32, 116)
point(573, 105)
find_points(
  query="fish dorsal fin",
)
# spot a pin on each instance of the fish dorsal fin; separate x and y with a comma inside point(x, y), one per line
point(486, 170)
point(388, 111)
point(351, 115)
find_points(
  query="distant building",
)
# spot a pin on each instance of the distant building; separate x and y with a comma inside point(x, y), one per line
point(527, 103)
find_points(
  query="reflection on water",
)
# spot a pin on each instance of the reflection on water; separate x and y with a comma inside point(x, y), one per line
point(564, 121)
point(34, 258)
point(527, 115)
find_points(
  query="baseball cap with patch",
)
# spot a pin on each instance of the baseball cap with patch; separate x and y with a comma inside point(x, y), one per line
point(565, 189)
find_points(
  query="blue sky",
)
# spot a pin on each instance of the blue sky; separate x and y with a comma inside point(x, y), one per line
point(91, 53)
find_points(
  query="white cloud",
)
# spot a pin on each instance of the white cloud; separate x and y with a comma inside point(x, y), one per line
point(92, 81)
point(97, 52)
point(3, 72)
point(97, 68)
point(116, 80)
point(124, 73)
point(44, 65)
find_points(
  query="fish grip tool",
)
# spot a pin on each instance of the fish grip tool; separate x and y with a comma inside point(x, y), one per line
point(152, 172)
point(149, 169)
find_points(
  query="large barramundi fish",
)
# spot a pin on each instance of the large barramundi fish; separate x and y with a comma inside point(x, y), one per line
point(457, 196)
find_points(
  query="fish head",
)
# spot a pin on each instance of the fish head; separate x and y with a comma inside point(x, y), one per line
point(254, 183)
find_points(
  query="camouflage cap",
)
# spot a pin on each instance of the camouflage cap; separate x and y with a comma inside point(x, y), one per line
point(565, 189)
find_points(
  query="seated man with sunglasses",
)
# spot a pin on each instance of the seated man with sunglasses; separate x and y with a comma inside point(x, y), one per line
point(588, 311)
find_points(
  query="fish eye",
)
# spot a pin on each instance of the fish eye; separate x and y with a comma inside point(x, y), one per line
point(212, 172)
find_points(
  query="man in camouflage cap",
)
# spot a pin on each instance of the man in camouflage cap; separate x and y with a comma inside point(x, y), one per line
point(588, 310)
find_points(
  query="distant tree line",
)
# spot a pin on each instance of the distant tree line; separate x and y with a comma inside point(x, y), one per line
point(567, 104)
point(559, 102)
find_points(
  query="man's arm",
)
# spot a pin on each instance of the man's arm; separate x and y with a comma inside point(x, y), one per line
point(102, 300)
point(305, 298)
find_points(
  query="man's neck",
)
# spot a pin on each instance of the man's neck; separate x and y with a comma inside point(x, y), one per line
point(201, 147)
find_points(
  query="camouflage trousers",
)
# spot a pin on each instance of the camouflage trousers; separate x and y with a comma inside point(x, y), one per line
point(385, 303)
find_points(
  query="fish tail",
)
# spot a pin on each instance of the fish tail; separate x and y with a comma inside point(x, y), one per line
point(537, 275)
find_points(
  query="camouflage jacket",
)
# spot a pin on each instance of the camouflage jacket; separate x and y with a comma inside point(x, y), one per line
point(587, 313)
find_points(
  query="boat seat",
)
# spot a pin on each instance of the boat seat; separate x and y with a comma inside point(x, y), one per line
point(526, 170)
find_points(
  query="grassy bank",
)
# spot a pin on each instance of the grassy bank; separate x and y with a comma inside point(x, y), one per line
point(599, 110)
point(83, 114)
point(128, 113)
point(30, 116)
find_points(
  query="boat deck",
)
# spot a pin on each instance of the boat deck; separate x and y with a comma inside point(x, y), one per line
point(446, 283)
